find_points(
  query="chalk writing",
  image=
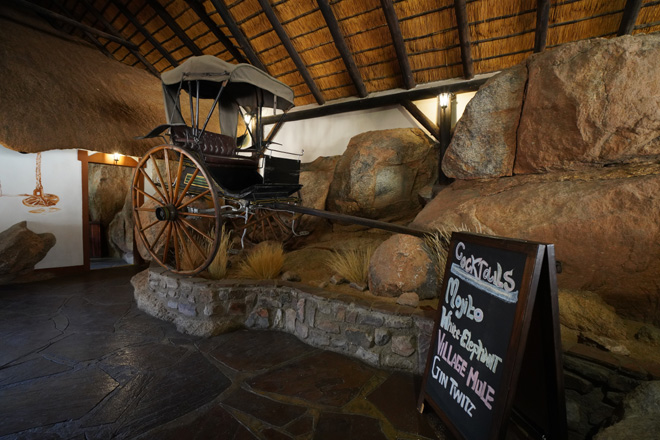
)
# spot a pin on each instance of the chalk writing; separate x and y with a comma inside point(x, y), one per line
point(478, 272)
point(461, 398)
point(462, 305)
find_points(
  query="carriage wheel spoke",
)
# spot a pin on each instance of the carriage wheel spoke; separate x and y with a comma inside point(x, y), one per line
point(194, 242)
point(197, 214)
point(182, 242)
point(153, 184)
point(160, 202)
point(169, 190)
point(145, 209)
point(185, 190)
point(167, 242)
point(177, 182)
point(149, 225)
point(160, 177)
point(153, 246)
point(177, 259)
point(194, 199)
point(193, 227)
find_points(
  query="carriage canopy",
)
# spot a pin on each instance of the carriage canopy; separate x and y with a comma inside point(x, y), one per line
point(246, 86)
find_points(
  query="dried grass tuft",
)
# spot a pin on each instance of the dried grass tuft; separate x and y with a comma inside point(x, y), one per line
point(436, 246)
point(352, 264)
point(265, 261)
point(220, 263)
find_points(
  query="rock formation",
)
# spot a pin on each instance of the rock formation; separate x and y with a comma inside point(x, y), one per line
point(120, 230)
point(20, 250)
point(315, 177)
point(587, 181)
point(381, 172)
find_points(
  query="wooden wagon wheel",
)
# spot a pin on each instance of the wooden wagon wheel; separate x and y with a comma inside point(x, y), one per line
point(176, 213)
point(267, 225)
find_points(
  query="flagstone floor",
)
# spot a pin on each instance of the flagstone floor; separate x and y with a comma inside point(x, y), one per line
point(78, 360)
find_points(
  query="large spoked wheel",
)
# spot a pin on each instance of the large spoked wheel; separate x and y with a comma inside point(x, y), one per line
point(265, 225)
point(175, 209)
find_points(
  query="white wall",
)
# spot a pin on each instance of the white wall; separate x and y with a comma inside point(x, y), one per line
point(329, 135)
point(61, 176)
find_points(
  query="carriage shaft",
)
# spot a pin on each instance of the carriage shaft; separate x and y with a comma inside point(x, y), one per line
point(333, 216)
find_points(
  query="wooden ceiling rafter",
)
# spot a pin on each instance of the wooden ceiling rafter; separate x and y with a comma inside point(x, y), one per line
point(342, 47)
point(460, 8)
point(295, 57)
point(630, 13)
point(71, 22)
point(399, 45)
point(420, 117)
point(174, 26)
point(101, 19)
point(238, 34)
point(87, 35)
point(146, 34)
point(199, 9)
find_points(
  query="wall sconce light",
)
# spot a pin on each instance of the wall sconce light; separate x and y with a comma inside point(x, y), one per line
point(247, 118)
point(444, 99)
point(116, 158)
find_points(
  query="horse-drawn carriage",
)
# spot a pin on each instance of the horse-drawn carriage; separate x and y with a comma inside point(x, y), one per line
point(185, 190)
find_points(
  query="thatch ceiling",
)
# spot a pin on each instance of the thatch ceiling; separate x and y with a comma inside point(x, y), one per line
point(331, 49)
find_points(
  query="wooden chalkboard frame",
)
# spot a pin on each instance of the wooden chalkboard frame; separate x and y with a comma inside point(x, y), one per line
point(542, 317)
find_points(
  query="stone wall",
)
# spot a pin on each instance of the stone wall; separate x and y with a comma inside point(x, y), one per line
point(379, 332)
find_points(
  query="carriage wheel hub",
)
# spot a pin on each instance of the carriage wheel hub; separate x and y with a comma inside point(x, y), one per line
point(166, 213)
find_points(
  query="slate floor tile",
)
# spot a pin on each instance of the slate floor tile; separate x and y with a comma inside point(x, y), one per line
point(270, 411)
point(52, 399)
point(333, 426)
point(255, 350)
point(396, 398)
point(325, 378)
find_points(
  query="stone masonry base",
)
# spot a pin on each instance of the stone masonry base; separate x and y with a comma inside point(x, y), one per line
point(369, 328)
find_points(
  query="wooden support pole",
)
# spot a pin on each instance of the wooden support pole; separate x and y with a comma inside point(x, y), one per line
point(198, 8)
point(416, 113)
point(295, 57)
point(238, 35)
point(464, 38)
point(399, 45)
point(342, 47)
point(378, 101)
point(174, 26)
point(134, 21)
point(630, 13)
point(112, 30)
point(72, 22)
point(542, 18)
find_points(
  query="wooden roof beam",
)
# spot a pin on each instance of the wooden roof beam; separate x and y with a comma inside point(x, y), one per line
point(286, 41)
point(172, 24)
point(340, 43)
point(542, 18)
point(48, 13)
point(630, 13)
point(399, 45)
point(464, 38)
point(145, 33)
point(380, 100)
point(238, 34)
point(110, 28)
point(198, 8)
point(416, 113)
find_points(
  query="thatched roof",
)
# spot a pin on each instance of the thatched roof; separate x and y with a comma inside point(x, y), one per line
point(325, 50)
point(58, 93)
point(331, 49)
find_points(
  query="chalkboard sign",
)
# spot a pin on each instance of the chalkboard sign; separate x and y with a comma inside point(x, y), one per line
point(480, 335)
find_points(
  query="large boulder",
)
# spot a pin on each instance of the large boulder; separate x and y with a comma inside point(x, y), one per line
point(315, 178)
point(120, 230)
point(381, 172)
point(485, 137)
point(604, 224)
point(588, 103)
point(400, 265)
point(640, 415)
point(20, 250)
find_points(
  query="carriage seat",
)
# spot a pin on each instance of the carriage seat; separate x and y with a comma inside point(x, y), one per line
point(217, 149)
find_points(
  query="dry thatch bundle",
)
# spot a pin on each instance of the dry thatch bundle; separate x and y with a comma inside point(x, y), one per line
point(59, 93)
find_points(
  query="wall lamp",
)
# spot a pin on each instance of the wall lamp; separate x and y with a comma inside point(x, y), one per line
point(116, 158)
point(444, 99)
